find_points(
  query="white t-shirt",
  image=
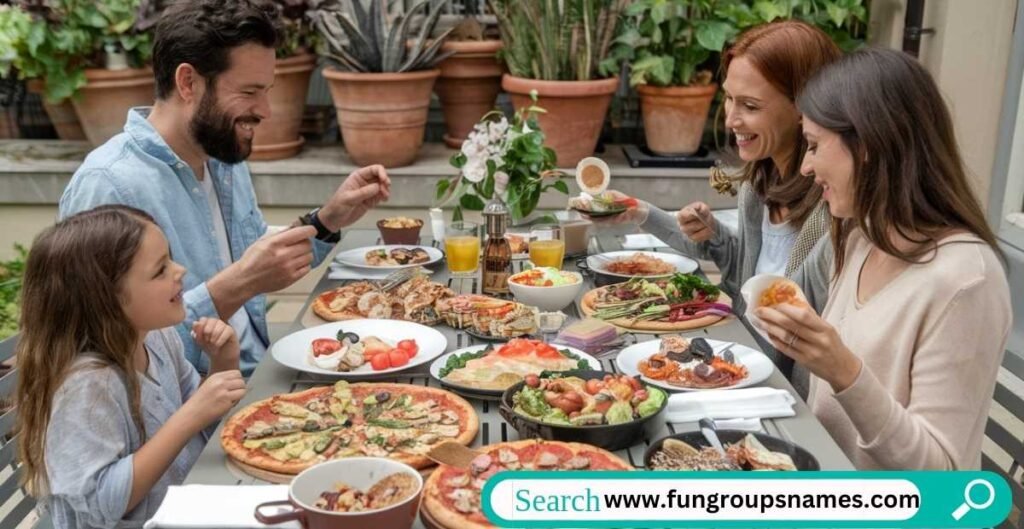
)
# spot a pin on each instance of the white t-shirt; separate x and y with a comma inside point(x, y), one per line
point(239, 321)
point(777, 242)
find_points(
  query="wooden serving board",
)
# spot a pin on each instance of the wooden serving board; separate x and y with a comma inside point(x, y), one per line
point(277, 477)
point(654, 327)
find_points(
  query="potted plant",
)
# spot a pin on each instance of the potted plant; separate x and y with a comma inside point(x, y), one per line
point(278, 137)
point(380, 82)
point(559, 49)
point(471, 77)
point(505, 157)
point(668, 45)
point(93, 53)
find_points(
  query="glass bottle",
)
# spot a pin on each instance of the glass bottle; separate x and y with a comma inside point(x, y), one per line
point(497, 255)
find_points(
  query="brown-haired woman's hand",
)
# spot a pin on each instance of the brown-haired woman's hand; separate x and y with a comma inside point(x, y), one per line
point(219, 341)
point(696, 221)
point(216, 396)
point(799, 333)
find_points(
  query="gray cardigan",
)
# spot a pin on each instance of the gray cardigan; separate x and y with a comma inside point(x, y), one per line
point(736, 255)
point(91, 437)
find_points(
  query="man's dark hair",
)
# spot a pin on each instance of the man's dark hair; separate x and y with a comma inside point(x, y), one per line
point(203, 32)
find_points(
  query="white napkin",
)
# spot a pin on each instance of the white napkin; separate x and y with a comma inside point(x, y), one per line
point(222, 506)
point(747, 425)
point(642, 241)
point(744, 403)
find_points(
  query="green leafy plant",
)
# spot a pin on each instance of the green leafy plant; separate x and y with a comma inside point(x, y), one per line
point(376, 41)
point(298, 31)
point(845, 21)
point(64, 37)
point(558, 40)
point(503, 157)
point(11, 273)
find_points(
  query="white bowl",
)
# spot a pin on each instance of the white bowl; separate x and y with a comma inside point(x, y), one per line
point(547, 298)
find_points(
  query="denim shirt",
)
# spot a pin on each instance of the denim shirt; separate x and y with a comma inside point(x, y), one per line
point(91, 438)
point(137, 168)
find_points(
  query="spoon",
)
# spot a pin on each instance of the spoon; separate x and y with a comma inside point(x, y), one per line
point(707, 428)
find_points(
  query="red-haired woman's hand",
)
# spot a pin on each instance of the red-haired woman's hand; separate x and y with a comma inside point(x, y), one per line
point(219, 341)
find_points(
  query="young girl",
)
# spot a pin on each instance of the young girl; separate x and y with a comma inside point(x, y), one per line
point(109, 411)
point(905, 354)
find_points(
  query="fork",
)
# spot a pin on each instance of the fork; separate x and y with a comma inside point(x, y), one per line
point(396, 278)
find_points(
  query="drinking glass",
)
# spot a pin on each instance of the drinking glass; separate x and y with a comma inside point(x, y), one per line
point(462, 246)
point(547, 247)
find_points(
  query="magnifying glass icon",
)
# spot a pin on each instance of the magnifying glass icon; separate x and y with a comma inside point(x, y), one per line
point(968, 504)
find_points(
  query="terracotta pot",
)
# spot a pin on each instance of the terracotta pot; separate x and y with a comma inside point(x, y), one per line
point(674, 117)
point(382, 115)
point(103, 103)
point(575, 112)
point(62, 115)
point(469, 84)
point(278, 137)
point(8, 124)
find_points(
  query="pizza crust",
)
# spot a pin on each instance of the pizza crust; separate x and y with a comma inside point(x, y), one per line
point(451, 519)
point(233, 429)
point(587, 303)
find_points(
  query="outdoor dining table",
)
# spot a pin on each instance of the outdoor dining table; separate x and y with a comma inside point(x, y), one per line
point(272, 378)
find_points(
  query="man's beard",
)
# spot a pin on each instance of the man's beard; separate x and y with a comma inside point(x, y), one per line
point(215, 131)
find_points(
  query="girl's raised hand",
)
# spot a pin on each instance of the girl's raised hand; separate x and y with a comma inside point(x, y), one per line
point(798, 332)
point(216, 396)
point(219, 341)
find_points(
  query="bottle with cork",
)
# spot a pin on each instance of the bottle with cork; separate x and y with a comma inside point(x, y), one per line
point(497, 255)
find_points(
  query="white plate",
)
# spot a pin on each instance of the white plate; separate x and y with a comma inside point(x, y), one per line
point(295, 349)
point(435, 368)
point(684, 265)
point(357, 257)
point(759, 366)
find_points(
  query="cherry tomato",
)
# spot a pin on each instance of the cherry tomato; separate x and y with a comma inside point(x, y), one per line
point(634, 383)
point(325, 346)
point(593, 386)
point(380, 362)
point(398, 358)
point(409, 346)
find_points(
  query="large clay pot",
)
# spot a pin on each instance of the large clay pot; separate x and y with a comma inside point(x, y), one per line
point(469, 84)
point(103, 103)
point(62, 115)
point(575, 112)
point(674, 117)
point(8, 124)
point(382, 115)
point(278, 137)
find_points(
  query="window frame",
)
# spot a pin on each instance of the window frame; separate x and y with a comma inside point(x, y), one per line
point(1006, 192)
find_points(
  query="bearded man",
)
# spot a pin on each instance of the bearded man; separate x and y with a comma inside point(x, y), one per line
point(182, 161)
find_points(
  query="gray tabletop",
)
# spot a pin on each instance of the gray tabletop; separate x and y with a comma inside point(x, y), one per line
point(272, 378)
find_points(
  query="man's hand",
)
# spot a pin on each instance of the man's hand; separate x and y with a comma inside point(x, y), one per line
point(277, 261)
point(359, 193)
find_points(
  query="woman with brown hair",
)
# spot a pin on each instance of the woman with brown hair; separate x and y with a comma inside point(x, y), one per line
point(109, 411)
point(906, 352)
point(782, 221)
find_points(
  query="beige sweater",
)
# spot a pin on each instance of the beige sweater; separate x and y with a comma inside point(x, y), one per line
point(931, 342)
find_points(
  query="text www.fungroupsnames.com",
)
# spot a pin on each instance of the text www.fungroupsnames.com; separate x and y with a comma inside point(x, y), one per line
point(714, 503)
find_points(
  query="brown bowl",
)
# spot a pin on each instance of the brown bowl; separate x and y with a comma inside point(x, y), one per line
point(400, 235)
point(358, 472)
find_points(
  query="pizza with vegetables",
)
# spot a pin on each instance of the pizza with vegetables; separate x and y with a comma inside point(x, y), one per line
point(289, 433)
point(497, 368)
point(676, 303)
point(451, 495)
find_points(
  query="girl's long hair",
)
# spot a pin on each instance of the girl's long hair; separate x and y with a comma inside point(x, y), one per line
point(72, 304)
point(908, 174)
point(787, 53)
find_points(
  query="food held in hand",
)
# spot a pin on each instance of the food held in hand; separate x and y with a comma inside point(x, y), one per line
point(782, 291)
point(573, 401)
point(593, 175)
point(606, 203)
point(692, 364)
point(391, 489)
point(748, 454)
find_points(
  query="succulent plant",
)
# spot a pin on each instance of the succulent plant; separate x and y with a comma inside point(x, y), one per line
point(377, 42)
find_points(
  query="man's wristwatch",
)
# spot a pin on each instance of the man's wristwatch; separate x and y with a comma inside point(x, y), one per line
point(322, 233)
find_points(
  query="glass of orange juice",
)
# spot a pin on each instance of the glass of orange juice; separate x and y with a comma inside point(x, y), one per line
point(462, 246)
point(547, 247)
